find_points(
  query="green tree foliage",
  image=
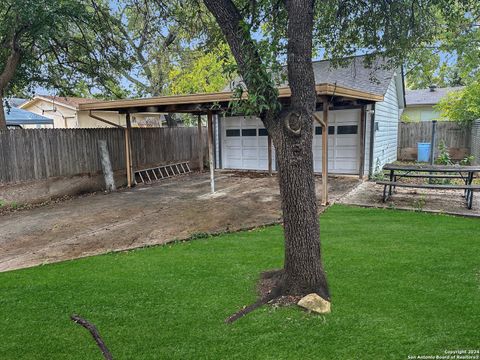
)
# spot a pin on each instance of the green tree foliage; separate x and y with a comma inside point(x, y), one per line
point(463, 105)
point(165, 42)
point(406, 32)
point(55, 44)
point(452, 59)
point(200, 71)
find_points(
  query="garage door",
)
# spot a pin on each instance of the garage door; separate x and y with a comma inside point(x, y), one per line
point(343, 142)
point(245, 144)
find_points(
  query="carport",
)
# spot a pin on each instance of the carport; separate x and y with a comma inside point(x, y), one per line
point(329, 97)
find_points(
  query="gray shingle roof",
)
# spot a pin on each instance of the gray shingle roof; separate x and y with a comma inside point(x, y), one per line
point(354, 75)
point(426, 96)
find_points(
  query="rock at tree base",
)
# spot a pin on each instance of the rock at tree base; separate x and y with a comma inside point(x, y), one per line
point(315, 303)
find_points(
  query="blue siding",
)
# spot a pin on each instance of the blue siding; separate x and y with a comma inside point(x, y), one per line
point(387, 115)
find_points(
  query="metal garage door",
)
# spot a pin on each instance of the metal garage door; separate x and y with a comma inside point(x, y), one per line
point(343, 142)
point(245, 144)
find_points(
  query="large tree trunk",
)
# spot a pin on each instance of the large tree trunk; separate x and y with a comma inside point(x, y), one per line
point(303, 268)
point(291, 131)
point(303, 271)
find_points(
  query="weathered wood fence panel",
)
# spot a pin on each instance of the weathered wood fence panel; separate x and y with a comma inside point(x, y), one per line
point(456, 138)
point(35, 154)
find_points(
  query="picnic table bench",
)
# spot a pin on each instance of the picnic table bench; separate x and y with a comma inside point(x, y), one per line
point(465, 173)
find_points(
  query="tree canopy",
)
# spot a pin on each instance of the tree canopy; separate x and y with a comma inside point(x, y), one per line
point(166, 45)
point(56, 44)
point(462, 105)
point(452, 59)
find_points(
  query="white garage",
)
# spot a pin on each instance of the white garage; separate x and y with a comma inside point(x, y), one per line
point(343, 142)
point(245, 143)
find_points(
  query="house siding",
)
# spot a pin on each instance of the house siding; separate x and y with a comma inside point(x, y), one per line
point(420, 113)
point(386, 137)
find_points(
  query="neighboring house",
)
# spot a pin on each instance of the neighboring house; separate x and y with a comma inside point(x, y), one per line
point(66, 114)
point(18, 118)
point(243, 141)
point(420, 103)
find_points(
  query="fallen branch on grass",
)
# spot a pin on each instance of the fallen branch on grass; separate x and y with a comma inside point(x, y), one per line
point(248, 309)
point(95, 334)
point(274, 277)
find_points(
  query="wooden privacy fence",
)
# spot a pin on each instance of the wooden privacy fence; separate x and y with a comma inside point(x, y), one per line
point(35, 154)
point(455, 137)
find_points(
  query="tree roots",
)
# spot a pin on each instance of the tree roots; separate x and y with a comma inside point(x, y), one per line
point(270, 285)
point(273, 288)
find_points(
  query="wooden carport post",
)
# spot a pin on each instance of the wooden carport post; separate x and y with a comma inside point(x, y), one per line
point(128, 148)
point(323, 121)
point(361, 168)
point(269, 155)
point(325, 153)
point(200, 143)
point(210, 150)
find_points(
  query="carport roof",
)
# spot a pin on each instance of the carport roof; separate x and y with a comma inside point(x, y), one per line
point(206, 102)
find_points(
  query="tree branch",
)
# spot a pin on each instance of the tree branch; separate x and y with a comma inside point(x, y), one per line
point(244, 50)
point(12, 62)
point(95, 334)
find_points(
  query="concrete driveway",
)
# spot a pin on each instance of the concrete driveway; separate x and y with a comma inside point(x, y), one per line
point(153, 214)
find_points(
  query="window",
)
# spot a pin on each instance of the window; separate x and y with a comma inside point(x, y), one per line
point(347, 129)
point(262, 132)
point(249, 132)
point(319, 131)
point(233, 132)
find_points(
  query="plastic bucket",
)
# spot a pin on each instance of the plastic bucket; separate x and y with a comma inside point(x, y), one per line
point(423, 152)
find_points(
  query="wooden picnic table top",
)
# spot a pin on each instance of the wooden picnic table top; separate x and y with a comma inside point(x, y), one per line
point(428, 167)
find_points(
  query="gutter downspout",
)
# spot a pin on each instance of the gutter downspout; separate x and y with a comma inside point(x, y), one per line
point(372, 141)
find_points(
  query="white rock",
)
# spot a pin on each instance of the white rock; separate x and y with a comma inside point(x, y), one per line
point(315, 303)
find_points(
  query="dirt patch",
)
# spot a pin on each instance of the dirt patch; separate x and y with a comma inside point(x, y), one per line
point(169, 210)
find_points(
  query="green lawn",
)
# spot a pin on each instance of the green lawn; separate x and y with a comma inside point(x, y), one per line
point(402, 284)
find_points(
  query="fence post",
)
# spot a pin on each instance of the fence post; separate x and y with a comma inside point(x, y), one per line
point(432, 142)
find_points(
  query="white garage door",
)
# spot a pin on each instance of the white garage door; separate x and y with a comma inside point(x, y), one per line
point(244, 143)
point(343, 142)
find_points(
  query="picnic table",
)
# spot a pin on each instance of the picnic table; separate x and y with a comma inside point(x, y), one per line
point(465, 173)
